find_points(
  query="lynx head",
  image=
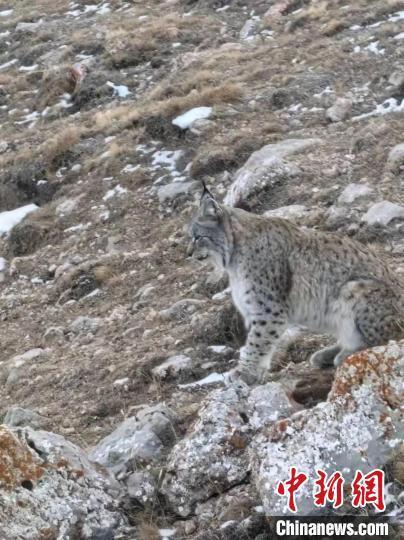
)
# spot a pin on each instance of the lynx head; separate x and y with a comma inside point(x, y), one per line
point(210, 232)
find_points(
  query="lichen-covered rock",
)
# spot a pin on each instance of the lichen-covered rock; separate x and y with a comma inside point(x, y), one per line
point(48, 486)
point(357, 428)
point(264, 167)
point(213, 457)
point(139, 440)
point(141, 487)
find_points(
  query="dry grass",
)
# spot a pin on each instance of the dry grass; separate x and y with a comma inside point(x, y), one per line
point(63, 142)
point(128, 47)
point(148, 531)
point(126, 115)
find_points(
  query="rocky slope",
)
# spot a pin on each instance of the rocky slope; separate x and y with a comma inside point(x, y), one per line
point(107, 328)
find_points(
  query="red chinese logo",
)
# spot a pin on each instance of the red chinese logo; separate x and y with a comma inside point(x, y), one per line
point(294, 483)
point(329, 490)
point(368, 489)
point(365, 489)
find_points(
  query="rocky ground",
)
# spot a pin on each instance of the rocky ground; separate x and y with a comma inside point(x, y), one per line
point(105, 323)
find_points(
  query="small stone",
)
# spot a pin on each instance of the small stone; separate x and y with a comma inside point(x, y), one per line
point(294, 212)
point(181, 309)
point(121, 382)
point(173, 366)
point(18, 417)
point(66, 207)
point(340, 110)
point(247, 29)
point(382, 213)
point(190, 527)
point(3, 146)
point(395, 159)
point(353, 192)
point(84, 324)
point(54, 334)
point(176, 189)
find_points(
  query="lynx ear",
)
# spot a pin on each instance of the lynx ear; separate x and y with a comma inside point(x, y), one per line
point(209, 206)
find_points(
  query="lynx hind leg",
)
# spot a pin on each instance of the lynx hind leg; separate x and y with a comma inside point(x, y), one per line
point(377, 316)
point(325, 357)
point(370, 317)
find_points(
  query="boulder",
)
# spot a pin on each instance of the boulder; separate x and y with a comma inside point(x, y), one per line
point(138, 441)
point(356, 428)
point(49, 487)
point(264, 168)
point(213, 457)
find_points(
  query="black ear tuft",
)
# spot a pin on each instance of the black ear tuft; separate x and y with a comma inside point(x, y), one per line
point(209, 206)
point(206, 192)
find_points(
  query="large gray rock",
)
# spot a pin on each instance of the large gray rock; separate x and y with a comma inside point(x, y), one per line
point(213, 457)
point(138, 441)
point(357, 428)
point(48, 483)
point(266, 166)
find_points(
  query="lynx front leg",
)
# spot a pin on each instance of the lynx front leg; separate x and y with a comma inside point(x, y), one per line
point(263, 335)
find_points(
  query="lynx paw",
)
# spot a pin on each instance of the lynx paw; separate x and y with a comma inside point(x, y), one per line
point(240, 375)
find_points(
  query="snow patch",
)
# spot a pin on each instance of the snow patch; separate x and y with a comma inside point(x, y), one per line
point(388, 106)
point(374, 48)
point(117, 190)
point(209, 379)
point(166, 159)
point(120, 90)
point(28, 68)
point(11, 218)
point(185, 120)
point(8, 64)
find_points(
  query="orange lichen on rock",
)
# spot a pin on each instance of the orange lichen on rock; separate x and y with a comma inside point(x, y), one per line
point(17, 464)
point(377, 367)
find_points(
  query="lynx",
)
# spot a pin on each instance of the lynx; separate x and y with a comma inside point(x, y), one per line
point(281, 274)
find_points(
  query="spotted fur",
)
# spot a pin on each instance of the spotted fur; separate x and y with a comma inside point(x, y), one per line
point(282, 275)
